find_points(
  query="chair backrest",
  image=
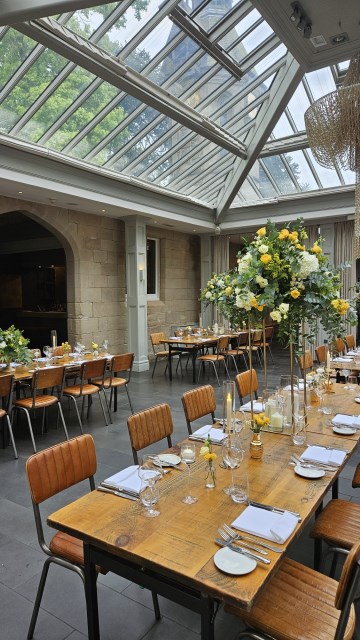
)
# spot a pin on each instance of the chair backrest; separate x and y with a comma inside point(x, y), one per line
point(356, 477)
point(222, 345)
point(305, 361)
point(6, 388)
point(198, 403)
point(149, 426)
point(269, 332)
point(155, 340)
point(243, 338)
point(350, 341)
point(347, 589)
point(122, 362)
point(242, 382)
point(55, 469)
point(47, 378)
point(93, 369)
point(320, 353)
point(339, 345)
point(256, 337)
point(59, 351)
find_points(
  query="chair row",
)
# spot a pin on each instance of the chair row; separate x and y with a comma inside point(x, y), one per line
point(49, 385)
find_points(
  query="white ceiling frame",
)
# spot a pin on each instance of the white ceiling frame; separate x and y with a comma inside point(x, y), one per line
point(21, 10)
point(281, 91)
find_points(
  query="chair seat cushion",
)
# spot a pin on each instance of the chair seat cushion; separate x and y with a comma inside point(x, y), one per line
point(296, 603)
point(162, 354)
point(115, 382)
point(87, 390)
point(209, 357)
point(40, 401)
point(338, 524)
point(69, 548)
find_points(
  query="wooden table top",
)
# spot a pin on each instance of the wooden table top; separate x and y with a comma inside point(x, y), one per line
point(180, 542)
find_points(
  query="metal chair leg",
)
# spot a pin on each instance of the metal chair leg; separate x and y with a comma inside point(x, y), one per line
point(29, 425)
point(60, 411)
point(127, 391)
point(102, 406)
point(156, 605)
point(38, 598)
point(12, 437)
point(77, 413)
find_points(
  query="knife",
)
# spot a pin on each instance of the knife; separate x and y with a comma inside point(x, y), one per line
point(242, 550)
point(268, 507)
point(330, 448)
point(118, 493)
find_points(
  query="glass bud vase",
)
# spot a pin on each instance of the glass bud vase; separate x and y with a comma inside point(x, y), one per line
point(210, 475)
point(256, 446)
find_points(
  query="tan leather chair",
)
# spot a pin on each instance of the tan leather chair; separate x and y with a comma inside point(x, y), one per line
point(305, 361)
point(160, 352)
point(6, 390)
point(59, 351)
point(320, 353)
point(89, 371)
point(198, 403)
point(299, 603)
point(338, 525)
point(49, 472)
point(340, 346)
point(43, 380)
point(216, 358)
point(350, 342)
point(242, 383)
point(240, 352)
point(149, 426)
point(118, 364)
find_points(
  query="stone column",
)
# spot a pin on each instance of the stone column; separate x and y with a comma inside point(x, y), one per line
point(206, 273)
point(135, 246)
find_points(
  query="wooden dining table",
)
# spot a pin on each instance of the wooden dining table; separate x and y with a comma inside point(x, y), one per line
point(173, 554)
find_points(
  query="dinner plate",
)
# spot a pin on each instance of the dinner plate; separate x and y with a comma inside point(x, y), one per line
point(343, 430)
point(357, 400)
point(167, 459)
point(308, 472)
point(233, 563)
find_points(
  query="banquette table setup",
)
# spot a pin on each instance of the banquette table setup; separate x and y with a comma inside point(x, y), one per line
point(174, 553)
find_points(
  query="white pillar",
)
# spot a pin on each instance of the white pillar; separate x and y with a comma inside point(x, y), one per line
point(206, 273)
point(135, 243)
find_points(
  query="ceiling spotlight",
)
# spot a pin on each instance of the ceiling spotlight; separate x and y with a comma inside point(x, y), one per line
point(307, 30)
point(296, 14)
point(301, 24)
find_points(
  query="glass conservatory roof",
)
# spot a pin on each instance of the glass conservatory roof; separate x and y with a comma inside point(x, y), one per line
point(174, 94)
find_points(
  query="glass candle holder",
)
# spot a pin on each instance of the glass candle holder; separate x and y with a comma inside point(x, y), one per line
point(229, 406)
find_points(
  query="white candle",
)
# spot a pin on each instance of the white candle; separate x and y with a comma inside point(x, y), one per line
point(200, 321)
point(228, 412)
point(276, 421)
point(53, 341)
point(328, 362)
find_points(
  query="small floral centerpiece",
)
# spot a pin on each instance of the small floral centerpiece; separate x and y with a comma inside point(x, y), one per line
point(210, 457)
point(95, 347)
point(14, 347)
point(256, 446)
point(317, 378)
point(66, 348)
point(260, 420)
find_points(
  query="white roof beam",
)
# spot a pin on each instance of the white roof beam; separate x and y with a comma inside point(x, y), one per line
point(284, 145)
point(281, 91)
point(21, 10)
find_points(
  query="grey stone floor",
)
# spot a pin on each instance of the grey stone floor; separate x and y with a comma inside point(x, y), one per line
point(125, 609)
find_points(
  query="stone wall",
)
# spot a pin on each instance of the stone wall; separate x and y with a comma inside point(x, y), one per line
point(179, 280)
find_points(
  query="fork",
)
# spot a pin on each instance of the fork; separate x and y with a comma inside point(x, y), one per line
point(237, 536)
point(229, 538)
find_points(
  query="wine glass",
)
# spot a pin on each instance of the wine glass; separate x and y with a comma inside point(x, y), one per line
point(36, 356)
point(345, 373)
point(187, 454)
point(232, 454)
point(149, 494)
point(46, 351)
point(352, 383)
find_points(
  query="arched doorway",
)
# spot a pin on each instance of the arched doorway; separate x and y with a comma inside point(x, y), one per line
point(33, 289)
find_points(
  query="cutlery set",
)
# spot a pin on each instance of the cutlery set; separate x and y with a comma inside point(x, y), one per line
point(121, 493)
point(309, 464)
point(245, 545)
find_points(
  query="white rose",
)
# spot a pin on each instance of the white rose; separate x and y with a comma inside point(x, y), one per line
point(275, 315)
point(283, 308)
point(204, 450)
point(2, 344)
point(308, 264)
point(263, 248)
point(208, 294)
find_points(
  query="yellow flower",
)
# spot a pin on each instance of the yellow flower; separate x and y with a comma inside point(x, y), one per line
point(293, 236)
point(253, 302)
point(94, 345)
point(301, 247)
point(315, 248)
point(228, 291)
point(261, 232)
point(284, 233)
point(208, 455)
point(213, 456)
point(260, 307)
point(266, 258)
point(335, 303)
point(295, 293)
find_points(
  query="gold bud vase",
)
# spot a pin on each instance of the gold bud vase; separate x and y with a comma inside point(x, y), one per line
point(256, 446)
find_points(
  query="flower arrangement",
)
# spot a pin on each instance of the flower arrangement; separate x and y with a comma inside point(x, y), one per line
point(316, 379)
point(210, 457)
point(278, 276)
point(94, 346)
point(13, 346)
point(66, 348)
point(259, 420)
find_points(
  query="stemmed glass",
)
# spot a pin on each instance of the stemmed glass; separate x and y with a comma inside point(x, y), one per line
point(48, 354)
point(149, 493)
point(352, 383)
point(36, 356)
point(232, 454)
point(345, 373)
point(187, 454)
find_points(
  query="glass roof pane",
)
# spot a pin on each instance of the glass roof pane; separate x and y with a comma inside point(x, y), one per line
point(128, 25)
point(45, 68)
point(150, 47)
point(174, 60)
point(261, 181)
point(82, 116)
point(143, 144)
point(74, 85)
point(328, 177)
point(269, 60)
point(348, 175)
point(255, 38)
point(282, 128)
point(14, 49)
point(321, 82)
point(214, 12)
point(297, 107)
point(239, 29)
point(279, 174)
point(301, 170)
point(85, 22)
point(343, 66)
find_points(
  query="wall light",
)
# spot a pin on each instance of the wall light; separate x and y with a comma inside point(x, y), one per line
point(141, 273)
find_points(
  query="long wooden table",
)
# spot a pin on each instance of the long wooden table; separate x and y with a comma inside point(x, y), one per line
point(173, 553)
point(188, 344)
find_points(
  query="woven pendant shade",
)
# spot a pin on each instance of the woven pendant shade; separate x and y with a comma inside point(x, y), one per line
point(333, 130)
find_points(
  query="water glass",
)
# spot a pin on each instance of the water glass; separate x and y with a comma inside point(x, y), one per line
point(298, 434)
point(352, 384)
point(345, 373)
point(36, 356)
point(232, 455)
point(187, 454)
point(149, 496)
point(239, 490)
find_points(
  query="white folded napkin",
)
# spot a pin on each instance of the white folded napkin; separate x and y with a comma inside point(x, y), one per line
point(314, 453)
point(342, 359)
point(258, 407)
point(126, 480)
point(266, 524)
point(352, 353)
point(216, 435)
point(342, 419)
